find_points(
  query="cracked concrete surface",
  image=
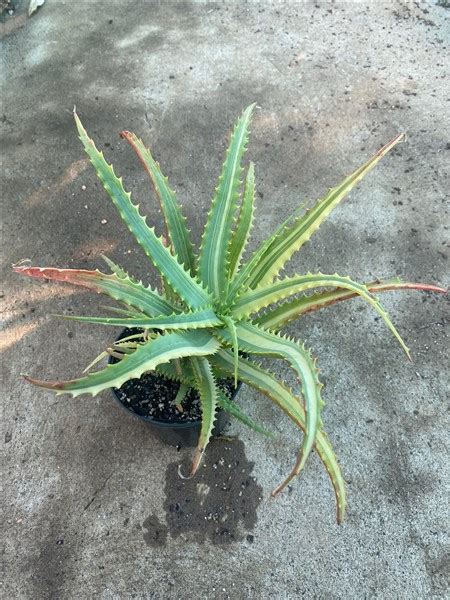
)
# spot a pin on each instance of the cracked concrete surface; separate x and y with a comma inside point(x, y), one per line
point(92, 505)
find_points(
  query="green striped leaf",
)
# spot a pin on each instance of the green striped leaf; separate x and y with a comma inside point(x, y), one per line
point(257, 341)
point(240, 281)
point(145, 358)
point(214, 252)
point(117, 269)
point(179, 280)
point(196, 320)
point(235, 411)
point(234, 342)
point(270, 258)
point(124, 290)
point(244, 224)
point(254, 300)
point(176, 228)
point(283, 314)
point(124, 312)
point(280, 395)
point(206, 385)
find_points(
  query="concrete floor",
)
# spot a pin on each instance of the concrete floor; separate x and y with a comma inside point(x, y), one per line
point(94, 507)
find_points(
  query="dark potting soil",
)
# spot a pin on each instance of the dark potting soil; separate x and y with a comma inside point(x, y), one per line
point(153, 396)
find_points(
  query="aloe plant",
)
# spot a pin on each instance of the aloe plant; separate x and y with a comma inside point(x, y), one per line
point(206, 322)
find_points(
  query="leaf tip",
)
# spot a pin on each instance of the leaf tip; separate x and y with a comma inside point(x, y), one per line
point(125, 135)
point(180, 474)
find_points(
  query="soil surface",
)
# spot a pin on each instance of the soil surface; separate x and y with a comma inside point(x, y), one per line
point(153, 397)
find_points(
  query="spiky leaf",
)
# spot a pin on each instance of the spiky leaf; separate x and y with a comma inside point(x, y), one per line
point(229, 322)
point(177, 277)
point(117, 269)
point(254, 300)
point(253, 340)
point(214, 252)
point(176, 229)
point(269, 259)
point(145, 358)
point(207, 388)
point(280, 395)
point(200, 319)
point(283, 314)
point(124, 290)
point(235, 411)
point(244, 224)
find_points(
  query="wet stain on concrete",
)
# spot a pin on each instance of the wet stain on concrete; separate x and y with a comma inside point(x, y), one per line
point(438, 570)
point(218, 504)
point(52, 562)
point(156, 534)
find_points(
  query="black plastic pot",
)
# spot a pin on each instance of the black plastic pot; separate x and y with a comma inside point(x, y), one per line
point(173, 432)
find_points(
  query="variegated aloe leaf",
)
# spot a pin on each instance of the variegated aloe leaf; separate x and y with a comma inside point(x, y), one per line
point(244, 224)
point(279, 394)
point(254, 300)
point(176, 229)
point(215, 247)
point(283, 314)
point(187, 288)
point(145, 358)
point(124, 290)
point(266, 264)
point(117, 269)
point(253, 340)
point(235, 411)
point(239, 282)
point(117, 350)
point(124, 312)
point(200, 319)
point(207, 388)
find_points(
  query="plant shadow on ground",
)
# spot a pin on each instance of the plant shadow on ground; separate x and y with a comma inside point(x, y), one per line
point(218, 504)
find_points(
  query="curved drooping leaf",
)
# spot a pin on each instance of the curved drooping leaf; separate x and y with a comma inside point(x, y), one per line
point(253, 340)
point(253, 300)
point(176, 228)
point(200, 319)
point(187, 288)
point(279, 394)
point(265, 265)
point(124, 290)
point(145, 358)
point(244, 224)
point(281, 315)
point(207, 388)
point(213, 263)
